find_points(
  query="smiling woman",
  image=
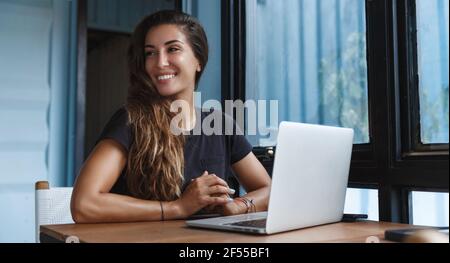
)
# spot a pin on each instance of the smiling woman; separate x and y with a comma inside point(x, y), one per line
point(170, 61)
point(141, 171)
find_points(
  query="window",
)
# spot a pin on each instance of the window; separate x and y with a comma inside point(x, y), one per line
point(379, 67)
point(362, 201)
point(311, 59)
point(430, 209)
point(432, 24)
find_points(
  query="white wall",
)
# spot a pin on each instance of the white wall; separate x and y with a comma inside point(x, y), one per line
point(34, 82)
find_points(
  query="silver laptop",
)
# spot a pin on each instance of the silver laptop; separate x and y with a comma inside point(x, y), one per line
point(309, 182)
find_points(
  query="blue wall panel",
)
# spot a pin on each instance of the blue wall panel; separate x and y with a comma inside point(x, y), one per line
point(34, 87)
point(209, 14)
point(122, 15)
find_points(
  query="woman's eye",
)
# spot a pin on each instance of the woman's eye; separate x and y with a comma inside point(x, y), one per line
point(150, 53)
point(173, 49)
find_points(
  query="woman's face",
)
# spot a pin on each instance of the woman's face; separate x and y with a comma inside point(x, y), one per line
point(170, 61)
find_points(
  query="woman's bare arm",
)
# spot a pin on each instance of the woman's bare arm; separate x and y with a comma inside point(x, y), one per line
point(92, 201)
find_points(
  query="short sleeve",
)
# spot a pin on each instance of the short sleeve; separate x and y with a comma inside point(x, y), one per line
point(239, 145)
point(118, 129)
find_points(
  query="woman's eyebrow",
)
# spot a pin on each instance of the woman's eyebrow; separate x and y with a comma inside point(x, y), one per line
point(167, 43)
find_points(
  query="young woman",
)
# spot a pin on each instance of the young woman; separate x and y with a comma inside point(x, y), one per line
point(140, 170)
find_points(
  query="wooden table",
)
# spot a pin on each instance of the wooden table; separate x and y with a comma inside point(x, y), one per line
point(178, 232)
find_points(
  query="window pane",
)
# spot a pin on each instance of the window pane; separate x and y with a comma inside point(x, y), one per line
point(312, 59)
point(430, 209)
point(432, 40)
point(362, 201)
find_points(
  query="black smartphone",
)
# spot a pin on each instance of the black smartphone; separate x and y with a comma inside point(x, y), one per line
point(353, 217)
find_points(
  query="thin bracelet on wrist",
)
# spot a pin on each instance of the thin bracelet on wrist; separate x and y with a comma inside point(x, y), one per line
point(162, 211)
point(248, 204)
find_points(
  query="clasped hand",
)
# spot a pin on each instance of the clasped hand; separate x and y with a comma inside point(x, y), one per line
point(210, 193)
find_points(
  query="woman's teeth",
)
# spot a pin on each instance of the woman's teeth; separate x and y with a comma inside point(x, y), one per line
point(164, 77)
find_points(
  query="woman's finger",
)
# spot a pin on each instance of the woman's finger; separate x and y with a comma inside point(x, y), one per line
point(219, 190)
point(212, 179)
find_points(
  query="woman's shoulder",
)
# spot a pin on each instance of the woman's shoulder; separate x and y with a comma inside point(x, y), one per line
point(120, 116)
point(118, 128)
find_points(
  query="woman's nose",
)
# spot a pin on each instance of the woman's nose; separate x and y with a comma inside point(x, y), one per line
point(162, 60)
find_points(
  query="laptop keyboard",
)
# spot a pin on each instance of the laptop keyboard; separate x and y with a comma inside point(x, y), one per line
point(258, 223)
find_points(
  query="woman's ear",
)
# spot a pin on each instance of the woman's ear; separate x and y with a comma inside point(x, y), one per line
point(199, 68)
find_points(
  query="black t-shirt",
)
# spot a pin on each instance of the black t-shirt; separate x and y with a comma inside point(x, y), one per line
point(212, 153)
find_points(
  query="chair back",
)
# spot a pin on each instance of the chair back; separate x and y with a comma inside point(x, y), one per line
point(52, 205)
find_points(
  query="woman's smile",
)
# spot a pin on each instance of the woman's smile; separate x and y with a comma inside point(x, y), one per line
point(165, 77)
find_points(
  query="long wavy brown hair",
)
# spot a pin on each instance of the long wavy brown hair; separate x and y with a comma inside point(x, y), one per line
point(155, 163)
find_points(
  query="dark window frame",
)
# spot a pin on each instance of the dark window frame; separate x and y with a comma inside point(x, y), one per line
point(394, 162)
point(233, 49)
point(409, 87)
point(80, 118)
